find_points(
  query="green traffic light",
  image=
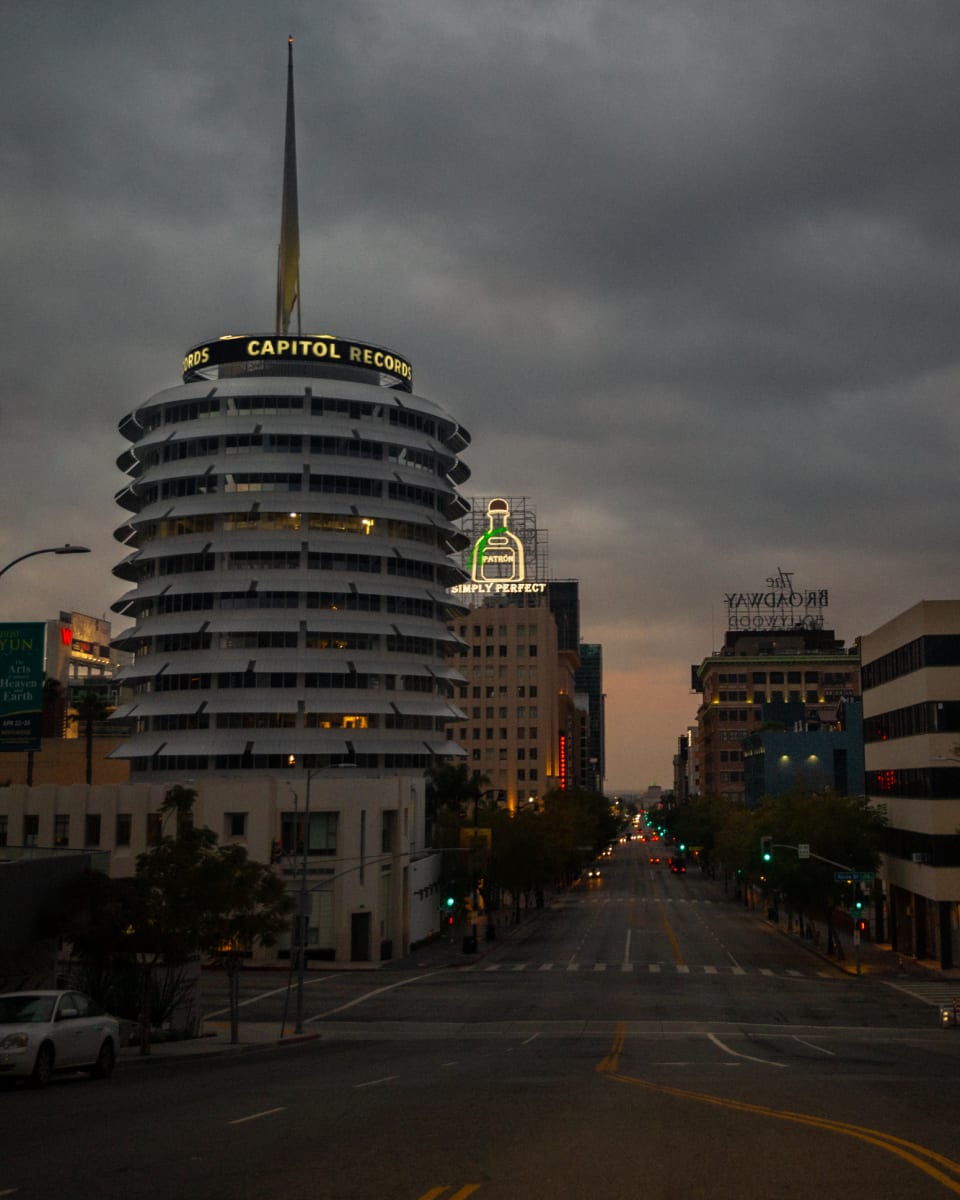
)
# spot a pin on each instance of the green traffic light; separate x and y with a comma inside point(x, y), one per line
point(450, 902)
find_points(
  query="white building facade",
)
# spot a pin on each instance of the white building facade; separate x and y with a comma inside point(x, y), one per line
point(371, 887)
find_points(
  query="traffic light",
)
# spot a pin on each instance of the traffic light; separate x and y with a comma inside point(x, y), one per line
point(766, 849)
point(858, 899)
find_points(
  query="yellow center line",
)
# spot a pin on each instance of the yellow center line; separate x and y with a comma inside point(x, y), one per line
point(910, 1152)
point(671, 935)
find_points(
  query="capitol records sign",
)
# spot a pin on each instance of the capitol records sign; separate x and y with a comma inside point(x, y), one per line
point(779, 606)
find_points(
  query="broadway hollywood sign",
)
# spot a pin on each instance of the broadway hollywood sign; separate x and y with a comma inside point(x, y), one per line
point(779, 606)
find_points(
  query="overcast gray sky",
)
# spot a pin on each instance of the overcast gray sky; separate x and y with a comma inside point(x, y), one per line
point(688, 270)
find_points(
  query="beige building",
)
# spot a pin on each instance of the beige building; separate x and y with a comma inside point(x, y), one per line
point(63, 761)
point(522, 729)
point(782, 674)
point(911, 733)
point(373, 889)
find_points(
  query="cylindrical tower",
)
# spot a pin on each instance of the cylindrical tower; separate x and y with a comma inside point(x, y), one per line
point(292, 520)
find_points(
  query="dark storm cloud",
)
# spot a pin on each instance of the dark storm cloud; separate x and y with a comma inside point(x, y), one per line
point(689, 272)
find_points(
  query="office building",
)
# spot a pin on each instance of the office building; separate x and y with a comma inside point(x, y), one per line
point(803, 666)
point(292, 516)
point(798, 751)
point(589, 682)
point(911, 729)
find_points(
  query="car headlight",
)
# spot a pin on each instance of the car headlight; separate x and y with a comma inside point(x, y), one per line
point(14, 1041)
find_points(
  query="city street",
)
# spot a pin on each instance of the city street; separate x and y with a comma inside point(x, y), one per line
point(642, 1035)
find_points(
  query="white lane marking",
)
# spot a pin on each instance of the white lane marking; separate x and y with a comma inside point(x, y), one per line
point(546, 966)
point(375, 1082)
point(683, 969)
point(709, 970)
point(573, 966)
point(736, 1053)
point(626, 967)
point(804, 1042)
point(599, 966)
point(369, 995)
point(533, 1037)
point(626, 949)
point(654, 968)
point(267, 1112)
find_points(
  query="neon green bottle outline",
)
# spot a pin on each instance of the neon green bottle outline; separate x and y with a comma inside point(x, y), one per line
point(510, 566)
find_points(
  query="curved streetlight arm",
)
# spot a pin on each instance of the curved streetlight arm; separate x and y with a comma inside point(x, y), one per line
point(47, 550)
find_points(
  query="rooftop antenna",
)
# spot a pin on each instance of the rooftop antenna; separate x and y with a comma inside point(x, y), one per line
point(288, 255)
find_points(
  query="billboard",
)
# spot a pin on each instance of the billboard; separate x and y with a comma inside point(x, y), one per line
point(21, 685)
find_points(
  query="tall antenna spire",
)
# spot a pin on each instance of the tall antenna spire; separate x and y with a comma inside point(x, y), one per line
point(288, 256)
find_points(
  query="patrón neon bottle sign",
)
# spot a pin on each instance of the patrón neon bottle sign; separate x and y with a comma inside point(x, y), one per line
point(497, 555)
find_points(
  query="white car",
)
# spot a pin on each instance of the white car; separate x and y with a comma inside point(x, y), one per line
point(42, 1032)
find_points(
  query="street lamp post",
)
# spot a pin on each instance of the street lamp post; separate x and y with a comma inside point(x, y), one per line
point(68, 549)
point(303, 902)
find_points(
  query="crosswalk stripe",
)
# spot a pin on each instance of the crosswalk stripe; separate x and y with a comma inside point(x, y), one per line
point(933, 992)
point(930, 991)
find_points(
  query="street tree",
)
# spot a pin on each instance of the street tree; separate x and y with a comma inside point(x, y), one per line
point(188, 898)
point(88, 709)
point(243, 903)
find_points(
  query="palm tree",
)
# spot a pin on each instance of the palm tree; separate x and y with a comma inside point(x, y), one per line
point(88, 710)
point(451, 789)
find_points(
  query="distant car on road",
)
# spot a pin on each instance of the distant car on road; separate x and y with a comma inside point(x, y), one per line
point(654, 858)
point(678, 866)
point(42, 1032)
point(594, 871)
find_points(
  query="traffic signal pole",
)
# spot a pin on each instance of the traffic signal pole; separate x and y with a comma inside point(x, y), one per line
point(767, 845)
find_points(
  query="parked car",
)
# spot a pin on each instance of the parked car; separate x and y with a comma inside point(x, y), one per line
point(42, 1032)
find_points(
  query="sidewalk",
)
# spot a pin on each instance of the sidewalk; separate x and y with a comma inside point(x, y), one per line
point(874, 958)
point(215, 1039)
